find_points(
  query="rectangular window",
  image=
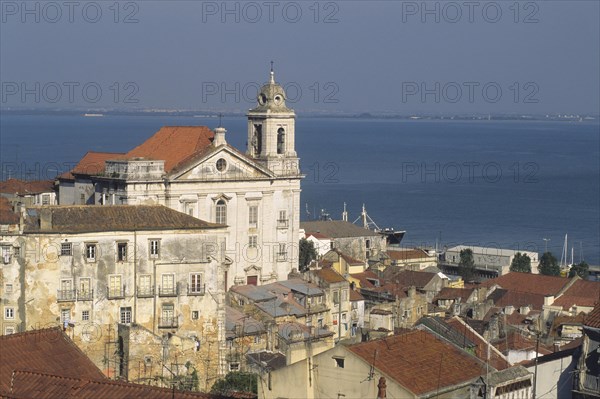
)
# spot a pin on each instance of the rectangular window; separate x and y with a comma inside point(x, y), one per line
point(17, 251)
point(125, 315)
point(168, 315)
point(196, 286)
point(221, 212)
point(145, 288)
point(90, 252)
point(343, 317)
point(6, 254)
point(195, 315)
point(9, 313)
point(65, 316)
point(252, 241)
point(122, 251)
point(66, 249)
point(168, 284)
point(234, 366)
point(85, 315)
point(8, 288)
point(344, 295)
point(66, 290)
point(9, 330)
point(154, 248)
point(82, 199)
point(253, 216)
point(336, 297)
point(115, 289)
point(46, 199)
point(85, 288)
point(282, 221)
point(282, 253)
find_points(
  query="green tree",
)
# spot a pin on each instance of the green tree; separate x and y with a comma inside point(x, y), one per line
point(581, 269)
point(236, 381)
point(549, 265)
point(521, 263)
point(307, 254)
point(466, 265)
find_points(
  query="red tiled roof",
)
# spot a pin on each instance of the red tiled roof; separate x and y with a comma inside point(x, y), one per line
point(329, 275)
point(419, 361)
point(516, 341)
point(318, 236)
point(518, 299)
point(25, 187)
point(581, 293)
point(28, 384)
point(408, 278)
point(92, 163)
point(528, 282)
point(454, 293)
point(174, 145)
point(481, 350)
point(356, 296)
point(349, 260)
point(7, 215)
point(48, 351)
point(593, 318)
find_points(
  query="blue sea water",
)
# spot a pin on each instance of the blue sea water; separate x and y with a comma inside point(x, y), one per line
point(494, 183)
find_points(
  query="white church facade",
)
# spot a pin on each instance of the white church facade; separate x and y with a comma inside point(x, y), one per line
point(194, 170)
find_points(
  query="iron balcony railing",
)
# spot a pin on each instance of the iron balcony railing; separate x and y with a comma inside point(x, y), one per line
point(115, 293)
point(145, 292)
point(168, 291)
point(196, 289)
point(66, 295)
point(167, 322)
point(85, 295)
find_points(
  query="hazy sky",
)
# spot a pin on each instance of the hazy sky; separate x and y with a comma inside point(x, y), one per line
point(352, 56)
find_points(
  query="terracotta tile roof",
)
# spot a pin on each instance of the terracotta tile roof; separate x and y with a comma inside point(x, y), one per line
point(92, 163)
point(95, 218)
point(518, 299)
point(336, 229)
point(581, 293)
point(420, 362)
point(496, 359)
point(593, 318)
point(454, 293)
point(28, 384)
point(408, 278)
point(364, 278)
point(7, 215)
point(329, 275)
point(48, 350)
point(174, 145)
point(356, 296)
point(518, 342)
point(349, 260)
point(26, 187)
point(408, 254)
point(528, 282)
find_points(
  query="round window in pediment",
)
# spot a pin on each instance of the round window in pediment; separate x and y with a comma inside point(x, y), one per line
point(221, 165)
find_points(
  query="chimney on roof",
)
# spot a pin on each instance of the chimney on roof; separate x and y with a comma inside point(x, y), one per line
point(219, 136)
point(45, 219)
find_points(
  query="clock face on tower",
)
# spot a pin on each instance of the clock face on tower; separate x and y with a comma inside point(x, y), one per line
point(262, 99)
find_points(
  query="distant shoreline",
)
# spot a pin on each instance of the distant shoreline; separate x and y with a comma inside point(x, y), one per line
point(213, 114)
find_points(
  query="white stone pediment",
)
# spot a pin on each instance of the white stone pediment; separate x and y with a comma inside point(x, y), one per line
point(224, 164)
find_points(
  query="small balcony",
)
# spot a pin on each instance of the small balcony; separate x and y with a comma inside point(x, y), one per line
point(196, 289)
point(66, 295)
point(282, 223)
point(85, 295)
point(167, 322)
point(145, 292)
point(168, 291)
point(115, 293)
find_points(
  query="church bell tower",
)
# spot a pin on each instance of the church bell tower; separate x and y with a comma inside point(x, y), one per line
point(271, 130)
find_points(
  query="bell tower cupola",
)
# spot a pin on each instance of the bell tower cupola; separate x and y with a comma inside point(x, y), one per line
point(271, 130)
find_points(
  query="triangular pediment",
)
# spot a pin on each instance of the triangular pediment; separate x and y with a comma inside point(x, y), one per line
point(222, 163)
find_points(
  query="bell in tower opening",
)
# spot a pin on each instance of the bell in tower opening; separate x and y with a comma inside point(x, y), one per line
point(271, 130)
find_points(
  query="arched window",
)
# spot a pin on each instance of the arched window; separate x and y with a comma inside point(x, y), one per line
point(280, 141)
point(221, 215)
